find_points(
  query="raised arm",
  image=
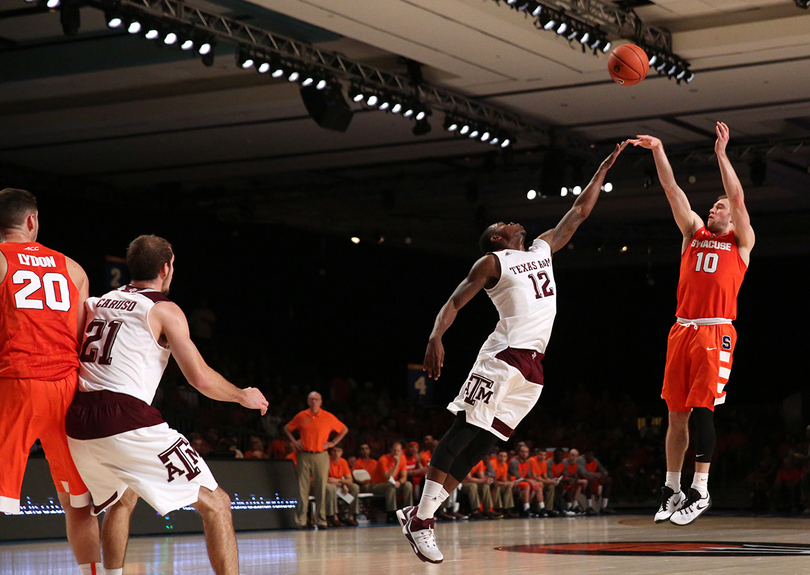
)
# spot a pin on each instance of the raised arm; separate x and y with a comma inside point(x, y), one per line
point(736, 199)
point(167, 318)
point(557, 237)
point(685, 218)
point(484, 271)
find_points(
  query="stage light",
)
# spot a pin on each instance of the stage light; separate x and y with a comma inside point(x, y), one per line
point(421, 127)
point(396, 108)
point(134, 27)
point(450, 124)
point(187, 44)
point(537, 10)
point(113, 20)
point(321, 85)
point(52, 3)
point(464, 129)
point(494, 140)
point(505, 143)
point(577, 190)
point(293, 77)
point(562, 28)
point(563, 192)
point(689, 77)
point(585, 37)
point(263, 68)
point(372, 100)
point(420, 115)
point(485, 136)
point(355, 94)
point(473, 134)
point(608, 187)
point(170, 38)
point(606, 46)
point(245, 59)
point(531, 194)
point(308, 81)
point(151, 33)
point(355, 240)
point(653, 60)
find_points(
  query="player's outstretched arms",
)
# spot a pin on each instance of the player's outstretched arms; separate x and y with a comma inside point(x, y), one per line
point(168, 319)
point(485, 271)
point(686, 219)
point(734, 190)
point(557, 237)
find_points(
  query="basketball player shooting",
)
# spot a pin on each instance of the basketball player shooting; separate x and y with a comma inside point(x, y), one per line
point(714, 258)
point(507, 378)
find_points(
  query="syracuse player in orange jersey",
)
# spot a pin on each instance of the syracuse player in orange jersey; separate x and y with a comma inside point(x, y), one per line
point(42, 295)
point(714, 258)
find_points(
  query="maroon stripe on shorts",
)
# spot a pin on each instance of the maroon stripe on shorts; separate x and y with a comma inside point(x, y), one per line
point(526, 361)
point(97, 414)
point(501, 427)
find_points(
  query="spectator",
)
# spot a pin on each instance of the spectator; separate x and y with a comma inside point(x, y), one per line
point(416, 470)
point(428, 443)
point(548, 486)
point(575, 484)
point(526, 487)
point(557, 472)
point(390, 477)
point(476, 486)
point(340, 481)
point(255, 448)
point(598, 478)
point(502, 499)
point(314, 426)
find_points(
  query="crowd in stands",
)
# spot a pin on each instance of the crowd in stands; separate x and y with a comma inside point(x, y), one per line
point(756, 457)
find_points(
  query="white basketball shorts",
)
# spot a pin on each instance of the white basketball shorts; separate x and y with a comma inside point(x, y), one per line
point(157, 462)
point(501, 390)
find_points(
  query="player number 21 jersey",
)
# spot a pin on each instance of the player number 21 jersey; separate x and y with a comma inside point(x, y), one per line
point(119, 352)
point(526, 299)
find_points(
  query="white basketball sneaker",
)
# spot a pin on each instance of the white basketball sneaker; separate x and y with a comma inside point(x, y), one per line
point(420, 534)
point(670, 503)
point(692, 508)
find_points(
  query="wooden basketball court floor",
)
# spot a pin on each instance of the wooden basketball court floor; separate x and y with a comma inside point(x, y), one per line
point(472, 547)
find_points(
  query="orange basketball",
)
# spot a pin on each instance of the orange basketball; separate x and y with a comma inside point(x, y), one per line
point(628, 64)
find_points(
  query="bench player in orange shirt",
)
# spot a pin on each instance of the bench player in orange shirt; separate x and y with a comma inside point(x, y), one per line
point(714, 258)
point(42, 295)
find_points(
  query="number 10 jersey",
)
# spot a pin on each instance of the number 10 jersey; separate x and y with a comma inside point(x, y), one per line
point(119, 352)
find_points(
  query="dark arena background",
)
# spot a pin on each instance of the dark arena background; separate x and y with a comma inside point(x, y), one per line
point(317, 236)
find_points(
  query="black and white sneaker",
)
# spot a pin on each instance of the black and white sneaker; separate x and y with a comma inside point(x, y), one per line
point(692, 508)
point(670, 503)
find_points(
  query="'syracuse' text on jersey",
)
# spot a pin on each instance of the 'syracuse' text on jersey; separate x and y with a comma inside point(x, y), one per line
point(711, 274)
point(38, 307)
point(526, 299)
point(120, 352)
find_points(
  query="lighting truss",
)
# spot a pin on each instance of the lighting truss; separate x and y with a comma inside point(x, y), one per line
point(265, 44)
point(572, 18)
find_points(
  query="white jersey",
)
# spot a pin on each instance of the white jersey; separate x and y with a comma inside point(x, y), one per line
point(119, 352)
point(526, 300)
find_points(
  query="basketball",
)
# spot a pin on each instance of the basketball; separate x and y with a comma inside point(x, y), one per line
point(628, 64)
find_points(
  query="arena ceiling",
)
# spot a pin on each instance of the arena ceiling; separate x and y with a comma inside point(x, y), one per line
point(112, 113)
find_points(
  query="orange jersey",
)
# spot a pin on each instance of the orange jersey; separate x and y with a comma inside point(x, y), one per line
point(557, 469)
point(340, 469)
point(38, 314)
point(424, 457)
point(711, 274)
point(370, 465)
point(387, 464)
point(539, 465)
point(501, 469)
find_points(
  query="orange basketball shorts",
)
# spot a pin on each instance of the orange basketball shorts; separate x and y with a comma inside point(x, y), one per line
point(31, 409)
point(698, 365)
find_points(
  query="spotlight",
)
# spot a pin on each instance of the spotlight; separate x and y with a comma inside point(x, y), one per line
point(606, 46)
point(420, 115)
point(505, 143)
point(653, 59)
point(321, 85)
point(608, 187)
point(170, 39)
point(563, 192)
point(672, 70)
point(134, 27)
point(206, 51)
point(355, 240)
point(547, 20)
point(537, 10)
point(372, 100)
point(421, 127)
point(583, 39)
point(474, 134)
point(151, 32)
point(595, 43)
point(293, 77)
point(531, 194)
point(562, 28)
point(485, 136)
point(396, 108)
point(450, 124)
point(245, 59)
point(577, 190)
point(187, 44)
point(113, 20)
point(464, 129)
point(494, 140)
point(384, 104)
point(355, 94)
point(689, 77)
point(662, 65)
point(263, 68)
point(52, 3)
point(573, 33)
point(680, 73)
point(409, 111)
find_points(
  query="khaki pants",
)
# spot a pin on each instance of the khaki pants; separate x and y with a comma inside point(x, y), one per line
point(477, 493)
point(548, 496)
point(330, 502)
point(502, 497)
point(312, 469)
point(388, 491)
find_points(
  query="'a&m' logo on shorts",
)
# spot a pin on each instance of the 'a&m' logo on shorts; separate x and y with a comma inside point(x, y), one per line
point(180, 459)
point(478, 388)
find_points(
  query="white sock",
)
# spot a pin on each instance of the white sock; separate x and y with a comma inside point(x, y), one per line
point(542, 505)
point(94, 569)
point(700, 483)
point(591, 503)
point(673, 480)
point(433, 495)
point(604, 502)
point(115, 571)
point(526, 507)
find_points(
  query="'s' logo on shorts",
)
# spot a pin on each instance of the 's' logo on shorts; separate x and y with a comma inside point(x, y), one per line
point(478, 387)
point(182, 454)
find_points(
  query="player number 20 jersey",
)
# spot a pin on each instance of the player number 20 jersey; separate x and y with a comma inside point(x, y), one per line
point(526, 299)
point(119, 352)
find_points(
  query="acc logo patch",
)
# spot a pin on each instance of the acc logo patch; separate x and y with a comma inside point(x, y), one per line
point(668, 548)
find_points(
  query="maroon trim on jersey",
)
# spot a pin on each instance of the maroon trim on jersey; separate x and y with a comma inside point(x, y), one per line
point(97, 509)
point(148, 293)
point(526, 361)
point(501, 427)
point(97, 414)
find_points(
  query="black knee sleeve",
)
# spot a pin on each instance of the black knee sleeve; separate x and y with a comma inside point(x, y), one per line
point(472, 454)
point(457, 451)
point(705, 437)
